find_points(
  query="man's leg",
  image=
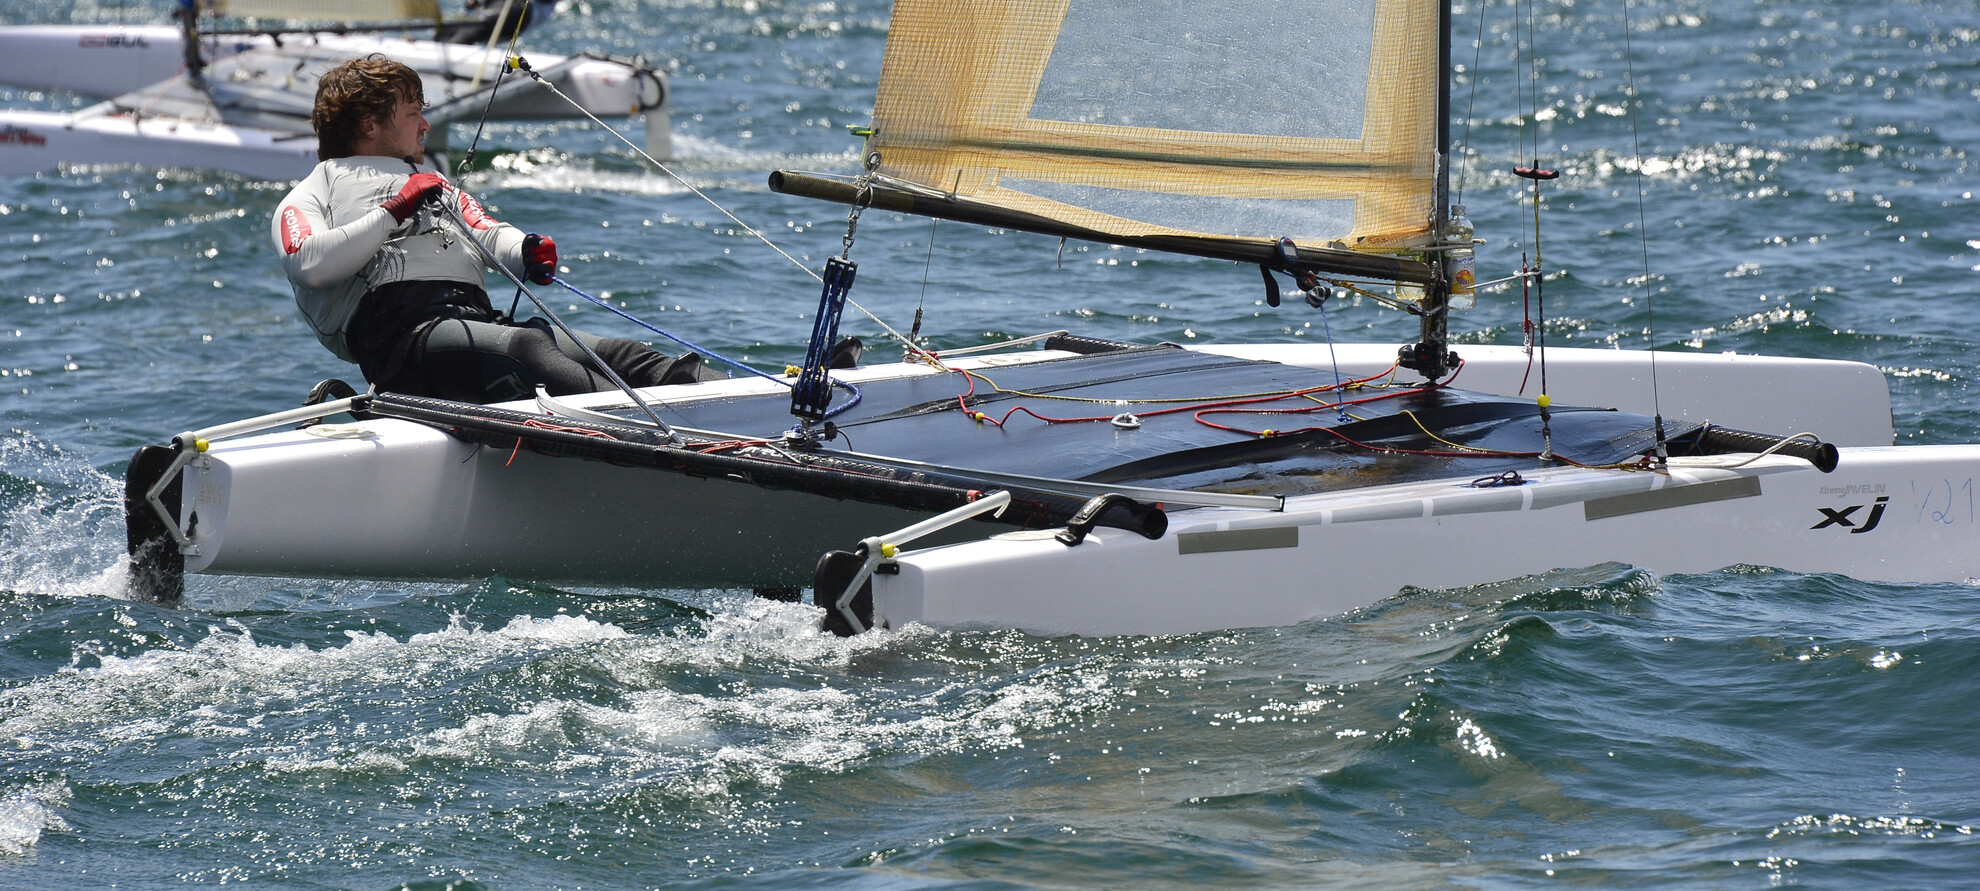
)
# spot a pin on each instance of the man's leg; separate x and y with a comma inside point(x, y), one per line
point(640, 365)
point(486, 362)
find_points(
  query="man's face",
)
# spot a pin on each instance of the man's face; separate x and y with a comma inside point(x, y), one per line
point(401, 135)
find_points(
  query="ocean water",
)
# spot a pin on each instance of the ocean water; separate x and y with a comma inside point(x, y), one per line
point(1808, 191)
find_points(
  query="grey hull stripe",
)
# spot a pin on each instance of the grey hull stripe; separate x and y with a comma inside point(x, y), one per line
point(1673, 496)
point(1237, 540)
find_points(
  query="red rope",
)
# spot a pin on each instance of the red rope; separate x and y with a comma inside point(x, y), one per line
point(1200, 407)
point(532, 422)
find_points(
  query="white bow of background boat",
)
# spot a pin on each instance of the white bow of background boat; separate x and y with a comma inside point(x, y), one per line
point(1101, 488)
point(246, 107)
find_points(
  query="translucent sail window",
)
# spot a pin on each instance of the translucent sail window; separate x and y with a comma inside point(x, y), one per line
point(1182, 65)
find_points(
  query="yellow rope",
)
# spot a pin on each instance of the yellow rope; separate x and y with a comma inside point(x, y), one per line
point(1632, 464)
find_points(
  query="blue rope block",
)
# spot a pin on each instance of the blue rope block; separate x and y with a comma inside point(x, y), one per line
point(813, 393)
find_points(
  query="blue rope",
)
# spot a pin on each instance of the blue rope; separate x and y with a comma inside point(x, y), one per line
point(637, 321)
point(856, 395)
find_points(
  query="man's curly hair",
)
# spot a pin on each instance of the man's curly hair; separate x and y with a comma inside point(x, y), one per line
point(367, 89)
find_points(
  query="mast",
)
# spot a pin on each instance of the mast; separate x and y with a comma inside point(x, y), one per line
point(1431, 356)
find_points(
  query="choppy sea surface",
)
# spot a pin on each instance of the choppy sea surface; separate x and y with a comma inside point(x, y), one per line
point(1809, 191)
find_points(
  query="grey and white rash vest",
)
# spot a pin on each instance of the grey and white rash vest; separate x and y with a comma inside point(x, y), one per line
point(337, 243)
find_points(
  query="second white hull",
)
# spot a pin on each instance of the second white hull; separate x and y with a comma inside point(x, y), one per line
point(1886, 514)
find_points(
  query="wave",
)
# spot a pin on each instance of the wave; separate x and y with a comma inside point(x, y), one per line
point(61, 523)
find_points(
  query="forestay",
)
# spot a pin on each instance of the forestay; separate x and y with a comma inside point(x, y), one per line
point(1308, 119)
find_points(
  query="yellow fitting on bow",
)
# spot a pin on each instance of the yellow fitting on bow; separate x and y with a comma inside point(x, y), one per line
point(1266, 433)
point(887, 550)
point(1544, 400)
point(515, 63)
point(200, 445)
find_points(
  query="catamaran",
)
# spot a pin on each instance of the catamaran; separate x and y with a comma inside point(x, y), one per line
point(1083, 486)
point(239, 100)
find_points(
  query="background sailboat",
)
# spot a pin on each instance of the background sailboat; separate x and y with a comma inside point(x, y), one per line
point(232, 89)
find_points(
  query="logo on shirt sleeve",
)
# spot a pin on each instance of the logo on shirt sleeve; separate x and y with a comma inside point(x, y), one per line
point(472, 212)
point(294, 229)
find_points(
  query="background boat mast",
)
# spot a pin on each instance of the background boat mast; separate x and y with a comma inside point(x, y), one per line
point(188, 16)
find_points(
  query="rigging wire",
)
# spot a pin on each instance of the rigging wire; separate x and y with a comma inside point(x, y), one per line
point(928, 264)
point(1538, 334)
point(1332, 355)
point(488, 257)
point(655, 329)
point(516, 61)
point(832, 412)
point(515, 40)
point(1470, 103)
point(523, 65)
point(467, 159)
point(1643, 238)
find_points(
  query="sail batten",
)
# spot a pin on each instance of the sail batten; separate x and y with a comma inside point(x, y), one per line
point(1309, 119)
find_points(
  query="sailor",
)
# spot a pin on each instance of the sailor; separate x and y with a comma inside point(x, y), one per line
point(374, 242)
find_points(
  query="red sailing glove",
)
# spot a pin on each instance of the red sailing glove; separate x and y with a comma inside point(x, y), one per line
point(417, 187)
point(539, 258)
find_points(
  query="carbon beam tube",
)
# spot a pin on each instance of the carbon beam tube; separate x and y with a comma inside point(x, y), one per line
point(1723, 440)
point(1337, 262)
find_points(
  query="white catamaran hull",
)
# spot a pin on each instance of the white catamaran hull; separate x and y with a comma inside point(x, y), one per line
point(394, 499)
point(402, 500)
point(1886, 514)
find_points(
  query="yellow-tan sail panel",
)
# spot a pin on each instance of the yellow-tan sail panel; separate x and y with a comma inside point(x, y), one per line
point(1315, 119)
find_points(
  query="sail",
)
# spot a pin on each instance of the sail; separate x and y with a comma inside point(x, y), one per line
point(1248, 119)
point(332, 10)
